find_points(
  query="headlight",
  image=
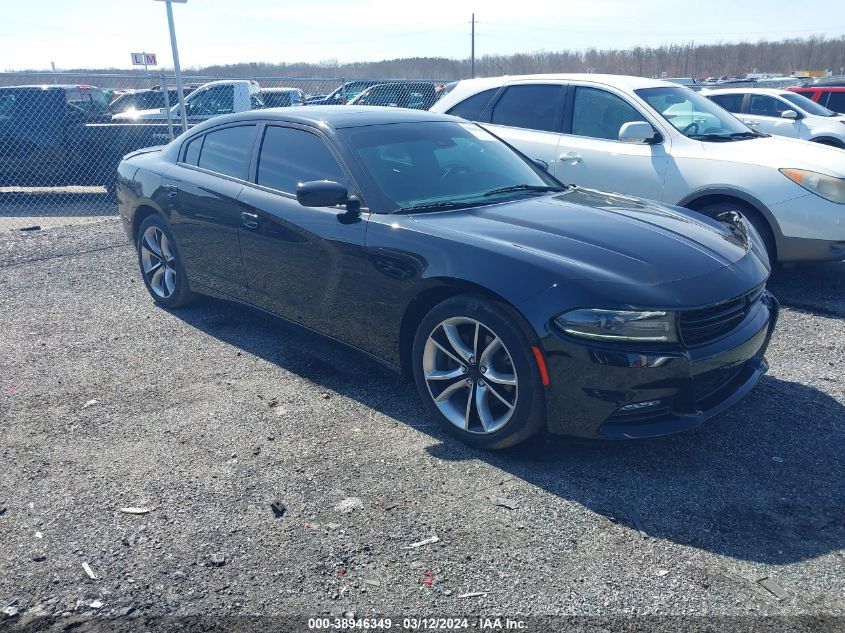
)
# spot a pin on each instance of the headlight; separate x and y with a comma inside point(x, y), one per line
point(620, 325)
point(827, 187)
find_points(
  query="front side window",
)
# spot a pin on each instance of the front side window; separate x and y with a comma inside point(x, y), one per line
point(764, 105)
point(600, 114)
point(694, 115)
point(422, 164)
point(227, 151)
point(472, 107)
point(291, 156)
point(212, 101)
point(533, 107)
point(807, 105)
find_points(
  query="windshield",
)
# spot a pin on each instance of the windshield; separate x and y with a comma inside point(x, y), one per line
point(444, 164)
point(807, 105)
point(695, 116)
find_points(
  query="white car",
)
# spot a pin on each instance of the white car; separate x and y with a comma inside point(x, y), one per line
point(211, 99)
point(654, 139)
point(783, 113)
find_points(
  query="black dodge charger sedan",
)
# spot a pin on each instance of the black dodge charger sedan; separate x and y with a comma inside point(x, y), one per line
point(515, 302)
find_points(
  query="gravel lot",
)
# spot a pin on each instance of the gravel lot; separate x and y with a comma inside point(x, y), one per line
point(208, 415)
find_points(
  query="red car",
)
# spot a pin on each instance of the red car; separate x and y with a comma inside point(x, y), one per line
point(831, 97)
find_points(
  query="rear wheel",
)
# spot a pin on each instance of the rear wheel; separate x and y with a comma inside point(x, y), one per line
point(753, 216)
point(475, 371)
point(161, 266)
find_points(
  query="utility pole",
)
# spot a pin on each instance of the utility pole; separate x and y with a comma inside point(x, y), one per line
point(472, 50)
point(176, 69)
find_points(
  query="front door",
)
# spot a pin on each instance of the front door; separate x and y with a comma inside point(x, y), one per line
point(764, 115)
point(301, 262)
point(592, 156)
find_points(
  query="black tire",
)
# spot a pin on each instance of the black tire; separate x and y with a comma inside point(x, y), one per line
point(528, 415)
point(830, 142)
point(753, 216)
point(180, 294)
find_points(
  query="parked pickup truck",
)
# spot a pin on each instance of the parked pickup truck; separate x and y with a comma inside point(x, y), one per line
point(63, 135)
point(209, 100)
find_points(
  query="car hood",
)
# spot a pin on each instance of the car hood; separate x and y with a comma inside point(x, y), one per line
point(780, 152)
point(586, 234)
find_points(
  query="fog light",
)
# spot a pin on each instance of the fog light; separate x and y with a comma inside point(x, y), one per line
point(639, 405)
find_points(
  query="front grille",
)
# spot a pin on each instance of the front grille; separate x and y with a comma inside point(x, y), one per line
point(699, 327)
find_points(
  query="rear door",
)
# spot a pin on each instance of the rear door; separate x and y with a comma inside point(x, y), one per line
point(529, 116)
point(202, 190)
point(591, 155)
point(301, 262)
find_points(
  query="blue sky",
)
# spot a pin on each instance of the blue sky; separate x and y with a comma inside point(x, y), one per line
point(103, 33)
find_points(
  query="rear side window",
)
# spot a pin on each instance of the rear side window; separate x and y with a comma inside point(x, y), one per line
point(836, 101)
point(599, 114)
point(227, 151)
point(472, 107)
point(290, 156)
point(533, 107)
point(731, 102)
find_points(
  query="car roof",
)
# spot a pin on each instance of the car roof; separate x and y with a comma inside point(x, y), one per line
point(820, 88)
point(339, 116)
point(756, 91)
point(280, 90)
point(621, 81)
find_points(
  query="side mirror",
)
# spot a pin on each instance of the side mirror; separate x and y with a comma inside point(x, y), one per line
point(321, 193)
point(540, 163)
point(789, 114)
point(637, 132)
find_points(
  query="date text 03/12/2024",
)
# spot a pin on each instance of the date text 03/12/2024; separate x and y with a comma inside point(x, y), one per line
point(415, 624)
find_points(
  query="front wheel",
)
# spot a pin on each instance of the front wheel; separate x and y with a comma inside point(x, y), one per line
point(476, 373)
point(161, 266)
point(759, 223)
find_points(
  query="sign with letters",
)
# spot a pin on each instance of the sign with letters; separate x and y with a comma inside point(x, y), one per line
point(144, 59)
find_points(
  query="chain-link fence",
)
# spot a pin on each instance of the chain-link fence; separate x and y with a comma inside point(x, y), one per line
point(62, 135)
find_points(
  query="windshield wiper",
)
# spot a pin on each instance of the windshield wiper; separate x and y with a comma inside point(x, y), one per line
point(435, 206)
point(733, 136)
point(493, 192)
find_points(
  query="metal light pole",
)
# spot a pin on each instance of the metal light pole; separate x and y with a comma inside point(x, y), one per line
point(472, 54)
point(176, 69)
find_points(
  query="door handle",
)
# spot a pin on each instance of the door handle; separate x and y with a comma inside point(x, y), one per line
point(172, 190)
point(249, 220)
point(571, 157)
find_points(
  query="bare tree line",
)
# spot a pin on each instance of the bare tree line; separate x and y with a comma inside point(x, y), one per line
point(676, 60)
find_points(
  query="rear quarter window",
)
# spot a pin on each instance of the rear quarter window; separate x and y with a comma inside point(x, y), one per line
point(532, 107)
point(731, 102)
point(472, 107)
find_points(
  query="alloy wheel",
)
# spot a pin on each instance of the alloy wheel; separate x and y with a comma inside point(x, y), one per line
point(470, 375)
point(158, 262)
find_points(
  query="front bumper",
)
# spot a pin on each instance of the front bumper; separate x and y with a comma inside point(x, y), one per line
point(591, 383)
point(810, 229)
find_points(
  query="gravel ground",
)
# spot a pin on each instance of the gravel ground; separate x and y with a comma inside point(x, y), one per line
point(51, 207)
point(208, 415)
